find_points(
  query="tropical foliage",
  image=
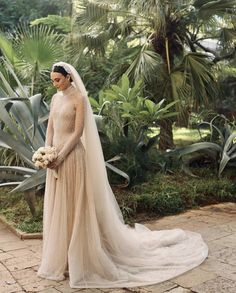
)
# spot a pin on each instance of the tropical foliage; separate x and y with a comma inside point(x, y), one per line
point(221, 147)
point(142, 62)
point(165, 46)
point(32, 52)
point(23, 127)
point(129, 120)
point(26, 10)
point(21, 132)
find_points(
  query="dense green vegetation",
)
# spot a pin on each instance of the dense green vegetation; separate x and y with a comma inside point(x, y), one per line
point(164, 194)
point(161, 80)
point(25, 11)
point(161, 194)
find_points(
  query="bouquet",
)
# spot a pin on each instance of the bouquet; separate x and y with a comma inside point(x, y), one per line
point(44, 156)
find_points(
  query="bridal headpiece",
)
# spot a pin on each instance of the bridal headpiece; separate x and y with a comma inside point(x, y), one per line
point(64, 65)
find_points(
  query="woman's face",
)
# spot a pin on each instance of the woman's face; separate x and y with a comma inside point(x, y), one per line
point(60, 81)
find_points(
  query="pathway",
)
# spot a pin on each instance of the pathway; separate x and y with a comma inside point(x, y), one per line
point(19, 259)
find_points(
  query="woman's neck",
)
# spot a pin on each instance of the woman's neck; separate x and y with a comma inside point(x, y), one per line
point(67, 90)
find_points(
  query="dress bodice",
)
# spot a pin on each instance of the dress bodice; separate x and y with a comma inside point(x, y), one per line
point(63, 116)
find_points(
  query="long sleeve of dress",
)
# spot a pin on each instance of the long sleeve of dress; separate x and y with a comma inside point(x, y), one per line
point(78, 129)
point(49, 131)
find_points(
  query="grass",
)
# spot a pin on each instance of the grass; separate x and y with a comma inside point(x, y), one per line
point(184, 136)
point(15, 209)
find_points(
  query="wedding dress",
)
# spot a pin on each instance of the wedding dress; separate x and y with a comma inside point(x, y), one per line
point(84, 231)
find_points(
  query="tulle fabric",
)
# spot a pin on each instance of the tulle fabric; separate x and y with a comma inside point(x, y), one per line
point(84, 231)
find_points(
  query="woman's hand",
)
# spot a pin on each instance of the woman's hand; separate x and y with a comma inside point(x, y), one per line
point(53, 165)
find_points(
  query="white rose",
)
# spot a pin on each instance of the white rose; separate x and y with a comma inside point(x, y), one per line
point(42, 165)
point(39, 157)
point(34, 158)
point(41, 149)
point(44, 157)
point(37, 164)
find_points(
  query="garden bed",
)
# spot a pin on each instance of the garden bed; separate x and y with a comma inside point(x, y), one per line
point(15, 212)
point(22, 235)
point(160, 195)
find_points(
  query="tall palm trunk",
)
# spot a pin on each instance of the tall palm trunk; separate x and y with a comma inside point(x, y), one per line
point(166, 134)
point(183, 119)
point(166, 131)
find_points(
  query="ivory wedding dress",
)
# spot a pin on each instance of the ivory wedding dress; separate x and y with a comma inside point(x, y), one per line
point(84, 231)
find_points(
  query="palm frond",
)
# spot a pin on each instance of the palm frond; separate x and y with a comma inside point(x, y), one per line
point(92, 13)
point(180, 89)
point(197, 69)
point(7, 49)
point(37, 48)
point(152, 6)
point(153, 11)
point(5, 87)
point(219, 7)
point(145, 65)
point(94, 41)
point(199, 3)
point(227, 36)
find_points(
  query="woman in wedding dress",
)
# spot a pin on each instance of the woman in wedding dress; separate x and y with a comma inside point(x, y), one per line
point(84, 232)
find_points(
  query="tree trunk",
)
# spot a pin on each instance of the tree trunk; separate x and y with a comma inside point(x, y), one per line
point(183, 118)
point(31, 199)
point(166, 135)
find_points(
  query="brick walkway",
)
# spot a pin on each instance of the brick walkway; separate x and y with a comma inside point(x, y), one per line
point(19, 259)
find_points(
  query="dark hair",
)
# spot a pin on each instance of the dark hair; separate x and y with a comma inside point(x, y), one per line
point(61, 70)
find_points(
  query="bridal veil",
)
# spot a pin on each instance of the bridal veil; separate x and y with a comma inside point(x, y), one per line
point(103, 252)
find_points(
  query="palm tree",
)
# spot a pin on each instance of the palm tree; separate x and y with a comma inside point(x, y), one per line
point(165, 46)
point(32, 51)
point(86, 51)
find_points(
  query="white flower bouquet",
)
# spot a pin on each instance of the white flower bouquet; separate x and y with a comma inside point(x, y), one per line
point(44, 156)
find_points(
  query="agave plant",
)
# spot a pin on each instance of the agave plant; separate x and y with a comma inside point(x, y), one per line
point(221, 146)
point(23, 126)
point(21, 131)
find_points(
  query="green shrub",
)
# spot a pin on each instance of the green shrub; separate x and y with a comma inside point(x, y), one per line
point(165, 202)
point(164, 194)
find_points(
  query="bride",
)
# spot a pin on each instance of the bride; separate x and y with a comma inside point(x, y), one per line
point(84, 233)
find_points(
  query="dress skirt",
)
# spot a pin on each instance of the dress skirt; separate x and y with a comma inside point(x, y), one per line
point(101, 251)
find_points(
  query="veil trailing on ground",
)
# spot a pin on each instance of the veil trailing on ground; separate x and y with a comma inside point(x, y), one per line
point(104, 252)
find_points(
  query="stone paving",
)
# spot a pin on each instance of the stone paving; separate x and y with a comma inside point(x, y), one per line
point(19, 259)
